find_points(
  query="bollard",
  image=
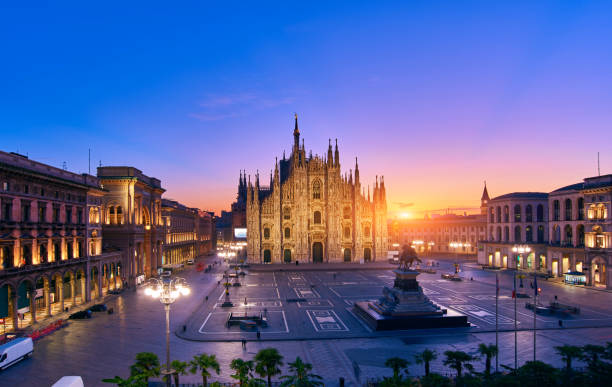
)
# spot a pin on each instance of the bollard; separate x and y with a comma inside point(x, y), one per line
point(341, 382)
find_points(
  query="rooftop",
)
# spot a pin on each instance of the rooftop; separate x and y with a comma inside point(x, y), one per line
point(523, 195)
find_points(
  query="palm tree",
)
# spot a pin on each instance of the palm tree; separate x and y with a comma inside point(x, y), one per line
point(301, 375)
point(568, 353)
point(204, 362)
point(243, 370)
point(180, 368)
point(147, 365)
point(591, 354)
point(457, 360)
point(426, 357)
point(268, 361)
point(489, 352)
point(396, 364)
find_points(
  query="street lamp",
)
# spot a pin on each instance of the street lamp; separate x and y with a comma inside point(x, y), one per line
point(167, 290)
point(455, 246)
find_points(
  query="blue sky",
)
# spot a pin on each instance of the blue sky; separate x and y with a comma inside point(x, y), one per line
point(437, 96)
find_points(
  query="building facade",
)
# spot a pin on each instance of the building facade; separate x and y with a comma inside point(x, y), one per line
point(310, 212)
point(133, 220)
point(441, 234)
point(568, 232)
point(51, 251)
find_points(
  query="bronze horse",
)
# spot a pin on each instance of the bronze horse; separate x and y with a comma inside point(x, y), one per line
point(408, 257)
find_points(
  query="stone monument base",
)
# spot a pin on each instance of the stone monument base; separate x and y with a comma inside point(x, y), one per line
point(405, 306)
point(379, 322)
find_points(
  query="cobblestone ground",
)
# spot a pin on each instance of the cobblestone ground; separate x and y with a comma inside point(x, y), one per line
point(106, 345)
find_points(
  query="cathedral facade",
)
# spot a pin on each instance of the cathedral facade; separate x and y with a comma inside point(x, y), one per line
point(310, 212)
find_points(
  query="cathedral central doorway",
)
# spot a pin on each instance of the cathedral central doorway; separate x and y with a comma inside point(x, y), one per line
point(267, 256)
point(317, 252)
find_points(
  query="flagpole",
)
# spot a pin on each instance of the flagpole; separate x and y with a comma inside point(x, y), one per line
point(496, 322)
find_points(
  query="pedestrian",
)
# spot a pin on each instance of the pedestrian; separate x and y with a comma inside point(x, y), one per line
point(560, 323)
point(555, 297)
point(206, 298)
point(244, 344)
point(258, 335)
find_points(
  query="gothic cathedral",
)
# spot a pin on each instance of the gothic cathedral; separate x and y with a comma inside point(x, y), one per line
point(311, 213)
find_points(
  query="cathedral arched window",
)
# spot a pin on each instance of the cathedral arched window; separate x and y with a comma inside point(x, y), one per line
point(347, 212)
point(266, 233)
point(287, 232)
point(347, 232)
point(316, 189)
point(317, 217)
point(286, 213)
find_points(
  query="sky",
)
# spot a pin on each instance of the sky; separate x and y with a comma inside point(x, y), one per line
point(436, 96)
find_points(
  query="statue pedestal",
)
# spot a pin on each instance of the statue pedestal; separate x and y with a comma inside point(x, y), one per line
point(405, 306)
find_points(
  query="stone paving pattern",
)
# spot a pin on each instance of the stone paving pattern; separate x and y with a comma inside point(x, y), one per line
point(106, 345)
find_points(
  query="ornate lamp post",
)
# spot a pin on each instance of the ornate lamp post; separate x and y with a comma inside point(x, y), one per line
point(167, 290)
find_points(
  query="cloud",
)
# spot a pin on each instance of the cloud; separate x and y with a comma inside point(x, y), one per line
point(211, 117)
point(404, 205)
point(220, 107)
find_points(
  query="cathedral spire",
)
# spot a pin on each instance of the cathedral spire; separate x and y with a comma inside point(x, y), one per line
point(356, 172)
point(337, 156)
point(296, 133)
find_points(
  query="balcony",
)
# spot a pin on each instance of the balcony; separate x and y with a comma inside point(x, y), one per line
point(40, 267)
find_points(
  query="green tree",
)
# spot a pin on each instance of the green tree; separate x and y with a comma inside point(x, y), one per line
point(396, 364)
point(534, 374)
point(300, 375)
point(180, 368)
point(435, 380)
point(267, 363)
point(147, 365)
point(426, 357)
point(132, 381)
point(458, 360)
point(243, 370)
point(569, 353)
point(489, 352)
point(592, 354)
point(203, 363)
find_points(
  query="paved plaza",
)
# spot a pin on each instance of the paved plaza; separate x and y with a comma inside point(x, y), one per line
point(310, 315)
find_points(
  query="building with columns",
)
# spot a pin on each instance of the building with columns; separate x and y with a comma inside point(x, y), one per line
point(568, 232)
point(311, 212)
point(133, 220)
point(51, 252)
point(188, 232)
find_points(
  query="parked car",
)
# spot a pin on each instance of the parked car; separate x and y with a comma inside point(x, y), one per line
point(15, 350)
point(80, 315)
point(98, 308)
point(190, 261)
